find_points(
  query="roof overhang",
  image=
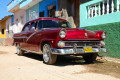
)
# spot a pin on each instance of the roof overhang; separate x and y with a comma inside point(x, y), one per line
point(14, 9)
point(5, 18)
point(30, 4)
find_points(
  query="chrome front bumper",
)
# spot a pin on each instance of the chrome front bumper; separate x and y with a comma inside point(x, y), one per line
point(77, 51)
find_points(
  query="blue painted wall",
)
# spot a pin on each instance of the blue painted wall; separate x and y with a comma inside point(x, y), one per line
point(44, 5)
point(102, 19)
point(34, 8)
point(12, 19)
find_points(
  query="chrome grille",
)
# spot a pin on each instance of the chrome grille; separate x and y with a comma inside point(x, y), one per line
point(82, 43)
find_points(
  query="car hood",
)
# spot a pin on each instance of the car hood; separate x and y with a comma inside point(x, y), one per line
point(74, 33)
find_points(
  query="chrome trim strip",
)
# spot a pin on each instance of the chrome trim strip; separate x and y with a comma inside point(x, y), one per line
point(32, 51)
point(20, 37)
point(84, 39)
point(31, 35)
point(79, 46)
point(81, 41)
point(77, 51)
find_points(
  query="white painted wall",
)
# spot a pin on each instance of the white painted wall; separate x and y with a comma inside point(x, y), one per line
point(19, 20)
point(8, 24)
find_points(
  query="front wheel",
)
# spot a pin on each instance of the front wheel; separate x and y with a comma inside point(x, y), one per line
point(48, 57)
point(89, 58)
point(20, 52)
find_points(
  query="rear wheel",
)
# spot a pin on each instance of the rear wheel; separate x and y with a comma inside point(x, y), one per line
point(20, 52)
point(48, 57)
point(89, 58)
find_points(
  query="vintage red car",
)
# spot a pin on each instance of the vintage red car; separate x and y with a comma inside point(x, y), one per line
point(54, 36)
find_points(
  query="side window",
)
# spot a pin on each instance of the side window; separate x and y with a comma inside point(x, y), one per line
point(33, 26)
point(26, 28)
point(40, 23)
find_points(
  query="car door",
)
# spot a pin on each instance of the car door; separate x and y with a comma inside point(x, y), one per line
point(35, 37)
point(24, 36)
point(31, 39)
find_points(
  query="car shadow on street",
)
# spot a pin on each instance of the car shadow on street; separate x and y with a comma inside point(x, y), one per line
point(33, 56)
point(72, 60)
point(62, 60)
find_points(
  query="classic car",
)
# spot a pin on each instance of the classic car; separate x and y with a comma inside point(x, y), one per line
point(53, 36)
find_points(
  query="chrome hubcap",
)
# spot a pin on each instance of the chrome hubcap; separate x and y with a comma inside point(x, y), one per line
point(46, 53)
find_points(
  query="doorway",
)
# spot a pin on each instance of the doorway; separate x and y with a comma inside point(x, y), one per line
point(51, 11)
point(41, 14)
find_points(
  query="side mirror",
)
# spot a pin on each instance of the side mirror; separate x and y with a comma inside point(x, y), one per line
point(33, 29)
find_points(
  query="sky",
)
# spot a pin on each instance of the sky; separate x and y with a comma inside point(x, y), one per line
point(3, 8)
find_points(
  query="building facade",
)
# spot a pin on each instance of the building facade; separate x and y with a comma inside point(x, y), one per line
point(27, 10)
point(31, 8)
point(9, 27)
point(19, 15)
point(98, 12)
point(103, 15)
point(51, 8)
point(2, 29)
point(6, 29)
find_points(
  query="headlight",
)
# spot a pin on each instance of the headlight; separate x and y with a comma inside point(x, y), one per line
point(102, 43)
point(62, 33)
point(61, 44)
point(103, 35)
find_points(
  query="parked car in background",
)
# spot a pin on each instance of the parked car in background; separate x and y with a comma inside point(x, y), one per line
point(53, 36)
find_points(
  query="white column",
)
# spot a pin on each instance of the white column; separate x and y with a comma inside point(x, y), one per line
point(92, 11)
point(107, 6)
point(112, 6)
point(88, 11)
point(95, 10)
point(103, 8)
point(99, 9)
point(117, 5)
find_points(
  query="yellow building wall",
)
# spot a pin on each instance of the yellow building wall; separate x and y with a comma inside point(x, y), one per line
point(3, 26)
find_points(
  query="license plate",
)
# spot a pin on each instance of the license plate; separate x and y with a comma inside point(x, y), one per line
point(88, 49)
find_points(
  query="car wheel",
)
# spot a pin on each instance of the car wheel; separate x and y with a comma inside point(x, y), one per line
point(48, 57)
point(20, 52)
point(89, 58)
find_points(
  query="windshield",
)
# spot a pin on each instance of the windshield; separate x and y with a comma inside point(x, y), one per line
point(53, 24)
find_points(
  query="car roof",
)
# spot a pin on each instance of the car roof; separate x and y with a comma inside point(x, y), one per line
point(43, 18)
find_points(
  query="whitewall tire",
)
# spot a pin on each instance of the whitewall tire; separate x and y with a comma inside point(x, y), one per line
point(48, 57)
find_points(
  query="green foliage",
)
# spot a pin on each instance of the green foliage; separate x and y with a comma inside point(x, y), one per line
point(113, 38)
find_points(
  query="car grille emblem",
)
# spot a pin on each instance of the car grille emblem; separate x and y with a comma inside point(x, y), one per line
point(75, 47)
point(85, 34)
